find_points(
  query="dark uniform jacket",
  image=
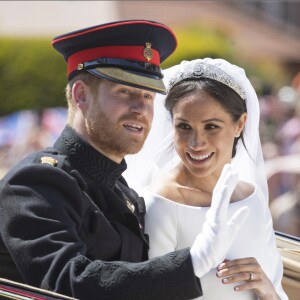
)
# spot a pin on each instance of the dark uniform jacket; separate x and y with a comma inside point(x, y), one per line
point(70, 224)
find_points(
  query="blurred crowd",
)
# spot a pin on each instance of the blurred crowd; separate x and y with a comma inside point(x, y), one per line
point(26, 131)
point(280, 136)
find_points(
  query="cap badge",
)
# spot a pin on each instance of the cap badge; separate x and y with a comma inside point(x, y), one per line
point(48, 160)
point(148, 53)
point(80, 67)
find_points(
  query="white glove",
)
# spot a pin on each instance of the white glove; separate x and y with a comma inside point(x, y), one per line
point(218, 233)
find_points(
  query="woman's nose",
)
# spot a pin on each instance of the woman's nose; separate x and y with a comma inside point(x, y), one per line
point(197, 141)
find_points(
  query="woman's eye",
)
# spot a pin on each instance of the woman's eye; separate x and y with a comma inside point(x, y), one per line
point(211, 126)
point(183, 126)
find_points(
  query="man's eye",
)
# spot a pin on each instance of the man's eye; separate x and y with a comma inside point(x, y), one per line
point(148, 96)
point(124, 91)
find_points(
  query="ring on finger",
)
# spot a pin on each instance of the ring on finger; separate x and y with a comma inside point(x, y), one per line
point(251, 276)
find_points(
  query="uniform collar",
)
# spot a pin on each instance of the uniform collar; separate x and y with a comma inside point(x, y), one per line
point(87, 159)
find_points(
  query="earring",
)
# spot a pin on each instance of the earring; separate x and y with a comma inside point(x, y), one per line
point(237, 135)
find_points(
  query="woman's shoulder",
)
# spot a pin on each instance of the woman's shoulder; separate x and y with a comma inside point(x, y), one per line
point(243, 191)
point(166, 188)
point(158, 200)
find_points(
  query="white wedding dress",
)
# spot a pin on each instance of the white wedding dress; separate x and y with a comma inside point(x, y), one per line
point(172, 226)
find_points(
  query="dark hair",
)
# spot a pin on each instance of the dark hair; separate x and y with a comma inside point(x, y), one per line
point(223, 94)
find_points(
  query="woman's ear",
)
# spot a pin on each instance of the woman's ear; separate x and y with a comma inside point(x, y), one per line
point(80, 93)
point(241, 122)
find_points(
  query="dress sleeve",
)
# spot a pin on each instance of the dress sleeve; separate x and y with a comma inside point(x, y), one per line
point(161, 224)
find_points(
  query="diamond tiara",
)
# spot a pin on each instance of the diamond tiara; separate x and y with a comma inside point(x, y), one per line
point(202, 70)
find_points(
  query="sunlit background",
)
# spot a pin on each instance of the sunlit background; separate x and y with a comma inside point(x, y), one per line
point(263, 37)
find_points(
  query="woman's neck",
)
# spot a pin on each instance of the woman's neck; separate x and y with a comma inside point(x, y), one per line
point(185, 178)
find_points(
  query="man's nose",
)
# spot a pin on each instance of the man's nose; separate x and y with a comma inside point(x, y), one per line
point(138, 104)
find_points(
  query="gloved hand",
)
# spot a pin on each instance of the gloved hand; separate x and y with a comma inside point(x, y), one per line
point(218, 233)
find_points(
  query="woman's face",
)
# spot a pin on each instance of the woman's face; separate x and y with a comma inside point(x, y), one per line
point(204, 134)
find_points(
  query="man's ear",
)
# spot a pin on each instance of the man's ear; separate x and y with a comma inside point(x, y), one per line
point(80, 94)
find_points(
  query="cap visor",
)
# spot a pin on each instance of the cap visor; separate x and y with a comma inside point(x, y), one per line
point(128, 78)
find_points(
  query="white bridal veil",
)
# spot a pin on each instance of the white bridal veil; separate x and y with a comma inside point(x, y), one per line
point(158, 155)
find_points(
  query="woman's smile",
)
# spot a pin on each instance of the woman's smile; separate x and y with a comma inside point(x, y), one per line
point(199, 158)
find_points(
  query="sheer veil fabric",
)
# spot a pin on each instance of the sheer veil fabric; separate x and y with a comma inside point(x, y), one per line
point(158, 155)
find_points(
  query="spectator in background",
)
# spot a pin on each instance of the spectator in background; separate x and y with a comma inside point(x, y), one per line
point(283, 168)
point(27, 131)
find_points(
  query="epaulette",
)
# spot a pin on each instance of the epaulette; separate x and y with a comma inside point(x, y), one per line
point(52, 157)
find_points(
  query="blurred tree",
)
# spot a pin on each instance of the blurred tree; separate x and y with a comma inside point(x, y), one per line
point(32, 75)
point(200, 40)
point(196, 41)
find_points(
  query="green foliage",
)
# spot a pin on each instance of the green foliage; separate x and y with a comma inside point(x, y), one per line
point(200, 40)
point(196, 41)
point(32, 75)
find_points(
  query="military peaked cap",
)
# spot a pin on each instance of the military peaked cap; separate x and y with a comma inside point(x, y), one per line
point(127, 52)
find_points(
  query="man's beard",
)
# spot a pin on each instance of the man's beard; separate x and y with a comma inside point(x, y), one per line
point(109, 136)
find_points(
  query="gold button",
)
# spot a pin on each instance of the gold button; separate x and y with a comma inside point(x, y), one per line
point(130, 205)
